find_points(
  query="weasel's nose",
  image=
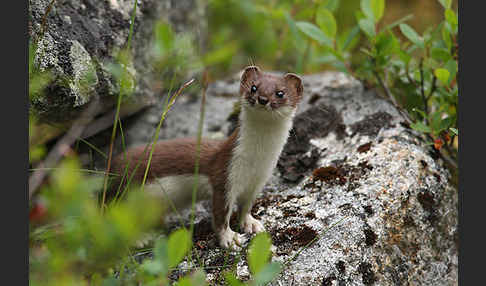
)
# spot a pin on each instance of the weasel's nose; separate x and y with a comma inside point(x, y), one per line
point(262, 100)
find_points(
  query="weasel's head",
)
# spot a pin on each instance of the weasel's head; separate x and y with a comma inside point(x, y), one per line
point(269, 93)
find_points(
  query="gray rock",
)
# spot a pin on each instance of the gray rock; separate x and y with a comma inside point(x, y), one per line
point(369, 191)
point(81, 38)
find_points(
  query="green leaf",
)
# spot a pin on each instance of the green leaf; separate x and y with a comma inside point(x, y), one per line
point(196, 279)
point(359, 15)
point(421, 112)
point(368, 27)
point(446, 3)
point(404, 56)
point(440, 54)
point(398, 22)
point(451, 66)
point(373, 9)
point(419, 126)
point(431, 64)
point(378, 7)
point(259, 252)
point(446, 37)
point(454, 131)
point(164, 39)
point(442, 75)
point(268, 273)
point(435, 120)
point(446, 122)
point(451, 18)
point(160, 262)
point(153, 267)
point(410, 33)
point(231, 280)
point(326, 22)
point(179, 244)
point(367, 10)
point(386, 44)
point(112, 281)
point(331, 5)
point(351, 39)
point(314, 32)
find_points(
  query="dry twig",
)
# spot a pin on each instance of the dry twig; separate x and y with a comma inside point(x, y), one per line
point(62, 146)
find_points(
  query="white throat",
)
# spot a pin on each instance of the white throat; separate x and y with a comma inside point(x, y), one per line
point(261, 138)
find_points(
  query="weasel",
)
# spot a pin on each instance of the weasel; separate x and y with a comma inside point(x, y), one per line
point(232, 171)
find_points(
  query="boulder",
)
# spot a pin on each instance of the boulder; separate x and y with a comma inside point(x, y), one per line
point(357, 198)
point(77, 40)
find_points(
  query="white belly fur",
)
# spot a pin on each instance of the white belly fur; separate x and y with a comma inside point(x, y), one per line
point(261, 139)
point(178, 189)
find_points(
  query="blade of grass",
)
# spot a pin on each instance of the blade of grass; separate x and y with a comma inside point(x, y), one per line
point(93, 147)
point(132, 23)
point(110, 154)
point(79, 170)
point(154, 138)
point(117, 114)
point(162, 118)
point(398, 22)
point(198, 150)
point(198, 155)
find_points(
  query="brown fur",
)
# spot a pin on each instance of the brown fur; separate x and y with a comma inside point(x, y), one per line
point(178, 157)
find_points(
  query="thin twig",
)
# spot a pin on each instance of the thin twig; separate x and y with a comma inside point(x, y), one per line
point(422, 90)
point(44, 18)
point(410, 79)
point(62, 146)
point(391, 97)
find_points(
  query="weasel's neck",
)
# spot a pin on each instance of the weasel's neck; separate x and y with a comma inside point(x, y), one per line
point(260, 140)
point(262, 129)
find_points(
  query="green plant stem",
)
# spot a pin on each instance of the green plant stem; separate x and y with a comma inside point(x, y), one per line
point(117, 114)
point(422, 90)
point(433, 87)
point(391, 97)
point(198, 152)
point(78, 170)
point(110, 154)
point(93, 147)
point(162, 118)
point(132, 23)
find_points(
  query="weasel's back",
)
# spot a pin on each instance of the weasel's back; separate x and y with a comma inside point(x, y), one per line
point(170, 158)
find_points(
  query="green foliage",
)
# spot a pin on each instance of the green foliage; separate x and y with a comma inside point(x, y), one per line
point(259, 254)
point(417, 72)
point(81, 242)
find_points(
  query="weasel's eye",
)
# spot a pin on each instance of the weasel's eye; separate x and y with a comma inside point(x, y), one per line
point(253, 88)
point(280, 94)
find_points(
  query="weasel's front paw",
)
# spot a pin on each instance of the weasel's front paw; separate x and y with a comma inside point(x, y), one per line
point(230, 239)
point(252, 225)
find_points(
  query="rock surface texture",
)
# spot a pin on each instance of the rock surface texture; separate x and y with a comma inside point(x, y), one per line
point(373, 199)
point(77, 40)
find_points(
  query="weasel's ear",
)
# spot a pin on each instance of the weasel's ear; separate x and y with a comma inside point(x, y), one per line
point(294, 80)
point(250, 73)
